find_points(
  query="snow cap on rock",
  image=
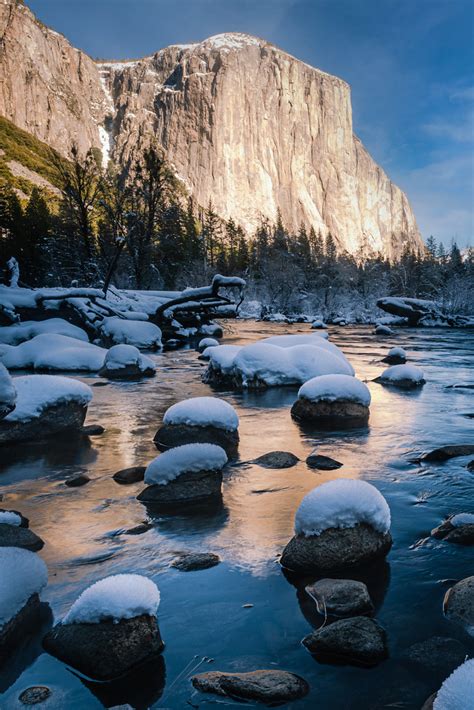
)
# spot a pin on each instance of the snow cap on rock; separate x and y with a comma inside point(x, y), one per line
point(23, 573)
point(203, 411)
point(333, 388)
point(457, 691)
point(398, 373)
point(36, 392)
point(189, 458)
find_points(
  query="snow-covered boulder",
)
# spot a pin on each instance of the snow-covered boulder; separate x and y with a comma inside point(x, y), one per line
point(395, 356)
point(110, 628)
point(141, 334)
point(342, 523)
point(383, 330)
point(457, 691)
point(186, 474)
point(18, 333)
point(207, 343)
point(318, 324)
point(23, 576)
point(53, 352)
point(200, 420)
point(459, 604)
point(211, 329)
point(14, 532)
point(457, 528)
point(45, 405)
point(402, 376)
point(125, 362)
point(333, 400)
point(276, 361)
point(7, 392)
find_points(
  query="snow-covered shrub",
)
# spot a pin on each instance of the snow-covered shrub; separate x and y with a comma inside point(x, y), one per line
point(120, 596)
point(332, 388)
point(203, 411)
point(457, 691)
point(37, 392)
point(141, 334)
point(53, 352)
point(190, 458)
point(23, 574)
point(402, 376)
point(18, 333)
point(342, 503)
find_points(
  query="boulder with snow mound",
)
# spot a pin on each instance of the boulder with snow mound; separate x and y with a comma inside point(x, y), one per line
point(457, 528)
point(23, 576)
point(18, 333)
point(318, 324)
point(277, 361)
point(395, 356)
point(200, 420)
point(207, 343)
point(383, 330)
point(340, 524)
point(110, 628)
point(191, 473)
point(333, 400)
point(125, 362)
point(45, 405)
point(459, 604)
point(53, 352)
point(141, 334)
point(457, 691)
point(402, 376)
point(7, 392)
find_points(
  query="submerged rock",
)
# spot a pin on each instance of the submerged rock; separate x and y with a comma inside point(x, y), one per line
point(266, 686)
point(134, 474)
point(335, 548)
point(277, 459)
point(322, 463)
point(358, 641)
point(107, 649)
point(341, 597)
point(448, 452)
point(458, 603)
point(439, 654)
point(190, 561)
point(17, 536)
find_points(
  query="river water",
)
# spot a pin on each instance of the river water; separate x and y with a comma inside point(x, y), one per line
point(202, 614)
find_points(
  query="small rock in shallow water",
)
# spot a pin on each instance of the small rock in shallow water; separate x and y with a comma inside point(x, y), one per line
point(341, 597)
point(439, 654)
point(16, 536)
point(34, 695)
point(265, 686)
point(77, 481)
point(323, 463)
point(460, 534)
point(190, 561)
point(277, 459)
point(358, 641)
point(458, 603)
point(470, 465)
point(139, 529)
point(448, 452)
point(93, 430)
point(130, 475)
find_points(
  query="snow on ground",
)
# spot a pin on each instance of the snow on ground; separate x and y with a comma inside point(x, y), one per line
point(398, 373)
point(53, 352)
point(203, 411)
point(7, 389)
point(120, 596)
point(222, 356)
point(462, 519)
point(141, 334)
point(8, 517)
point(36, 392)
point(331, 388)
point(397, 352)
point(342, 503)
point(23, 574)
point(185, 459)
point(121, 356)
point(16, 334)
point(457, 691)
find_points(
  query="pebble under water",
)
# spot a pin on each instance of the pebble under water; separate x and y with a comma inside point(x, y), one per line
point(244, 613)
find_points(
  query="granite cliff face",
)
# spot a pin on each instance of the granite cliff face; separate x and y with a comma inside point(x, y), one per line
point(241, 121)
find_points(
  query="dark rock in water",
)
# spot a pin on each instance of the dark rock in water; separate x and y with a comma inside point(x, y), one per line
point(335, 548)
point(93, 430)
point(358, 641)
point(59, 418)
point(458, 602)
point(394, 360)
point(100, 384)
point(25, 523)
point(16, 536)
point(139, 529)
point(108, 649)
point(448, 452)
point(277, 459)
point(470, 465)
point(469, 415)
point(189, 487)
point(341, 597)
point(440, 654)
point(383, 330)
point(190, 561)
point(13, 632)
point(458, 534)
point(170, 435)
point(35, 695)
point(460, 387)
point(129, 372)
point(344, 413)
point(272, 687)
point(130, 475)
point(323, 463)
point(77, 481)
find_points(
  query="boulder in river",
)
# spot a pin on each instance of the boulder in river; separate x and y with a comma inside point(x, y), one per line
point(458, 529)
point(383, 330)
point(272, 687)
point(134, 474)
point(458, 603)
point(333, 400)
point(77, 481)
point(358, 641)
point(17, 536)
point(322, 463)
point(443, 453)
point(193, 561)
point(402, 376)
point(341, 597)
point(395, 356)
point(125, 362)
point(277, 459)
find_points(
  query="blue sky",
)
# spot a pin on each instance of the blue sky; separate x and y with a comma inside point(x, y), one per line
point(409, 62)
